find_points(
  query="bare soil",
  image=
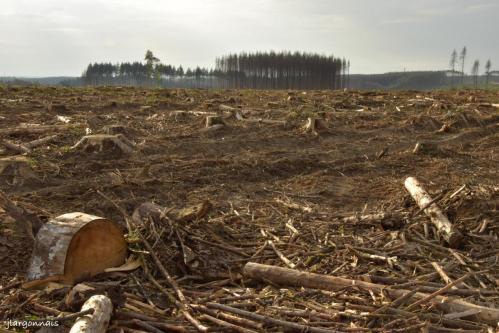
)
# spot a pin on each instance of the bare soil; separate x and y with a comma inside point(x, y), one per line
point(259, 177)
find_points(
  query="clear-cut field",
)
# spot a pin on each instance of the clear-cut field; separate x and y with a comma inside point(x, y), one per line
point(268, 179)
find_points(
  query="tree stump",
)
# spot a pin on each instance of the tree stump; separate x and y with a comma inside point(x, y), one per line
point(105, 143)
point(214, 120)
point(15, 170)
point(425, 148)
point(179, 115)
point(73, 247)
point(116, 129)
point(315, 126)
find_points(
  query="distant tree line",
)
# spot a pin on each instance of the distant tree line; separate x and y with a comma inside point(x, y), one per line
point(475, 69)
point(283, 70)
point(261, 70)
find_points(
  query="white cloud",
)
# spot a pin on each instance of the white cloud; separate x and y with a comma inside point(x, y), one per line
point(377, 36)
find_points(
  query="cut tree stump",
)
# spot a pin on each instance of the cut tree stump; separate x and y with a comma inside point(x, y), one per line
point(425, 148)
point(28, 221)
point(451, 235)
point(119, 129)
point(15, 170)
point(214, 120)
point(73, 247)
point(316, 126)
point(98, 320)
point(291, 277)
point(105, 143)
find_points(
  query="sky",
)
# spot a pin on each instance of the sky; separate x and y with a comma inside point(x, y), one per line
point(60, 37)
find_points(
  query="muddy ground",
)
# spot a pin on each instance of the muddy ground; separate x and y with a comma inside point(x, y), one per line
point(261, 177)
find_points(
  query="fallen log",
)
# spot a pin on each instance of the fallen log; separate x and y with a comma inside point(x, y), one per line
point(41, 141)
point(98, 320)
point(26, 148)
point(291, 277)
point(451, 235)
point(73, 247)
point(37, 129)
point(18, 148)
point(386, 219)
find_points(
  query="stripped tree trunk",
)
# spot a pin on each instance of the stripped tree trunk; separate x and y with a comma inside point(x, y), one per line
point(424, 201)
point(98, 321)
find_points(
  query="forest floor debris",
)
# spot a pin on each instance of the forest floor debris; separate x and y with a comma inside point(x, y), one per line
point(217, 219)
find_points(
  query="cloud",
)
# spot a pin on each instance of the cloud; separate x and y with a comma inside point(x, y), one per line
point(376, 35)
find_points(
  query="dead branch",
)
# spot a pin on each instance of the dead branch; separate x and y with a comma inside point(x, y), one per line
point(423, 199)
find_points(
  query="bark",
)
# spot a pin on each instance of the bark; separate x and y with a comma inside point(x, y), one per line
point(73, 247)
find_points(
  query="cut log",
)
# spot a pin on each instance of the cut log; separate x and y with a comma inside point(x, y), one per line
point(105, 143)
point(98, 321)
point(73, 247)
point(451, 235)
point(214, 120)
point(290, 277)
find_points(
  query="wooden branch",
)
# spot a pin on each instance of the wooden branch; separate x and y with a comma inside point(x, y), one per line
point(228, 317)
point(290, 277)
point(181, 303)
point(223, 323)
point(35, 143)
point(98, 321)
point(423, 199)
point(269, 320)
point(281, 256)
point(37, 129)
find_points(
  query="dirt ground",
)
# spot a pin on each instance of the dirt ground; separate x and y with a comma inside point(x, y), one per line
point(269, 182)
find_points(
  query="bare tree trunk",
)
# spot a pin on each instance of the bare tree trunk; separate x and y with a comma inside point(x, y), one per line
point(98, 321)
point(424, 201)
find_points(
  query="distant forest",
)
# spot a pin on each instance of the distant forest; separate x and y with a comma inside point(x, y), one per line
point(272, 70)
point(260, 70)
